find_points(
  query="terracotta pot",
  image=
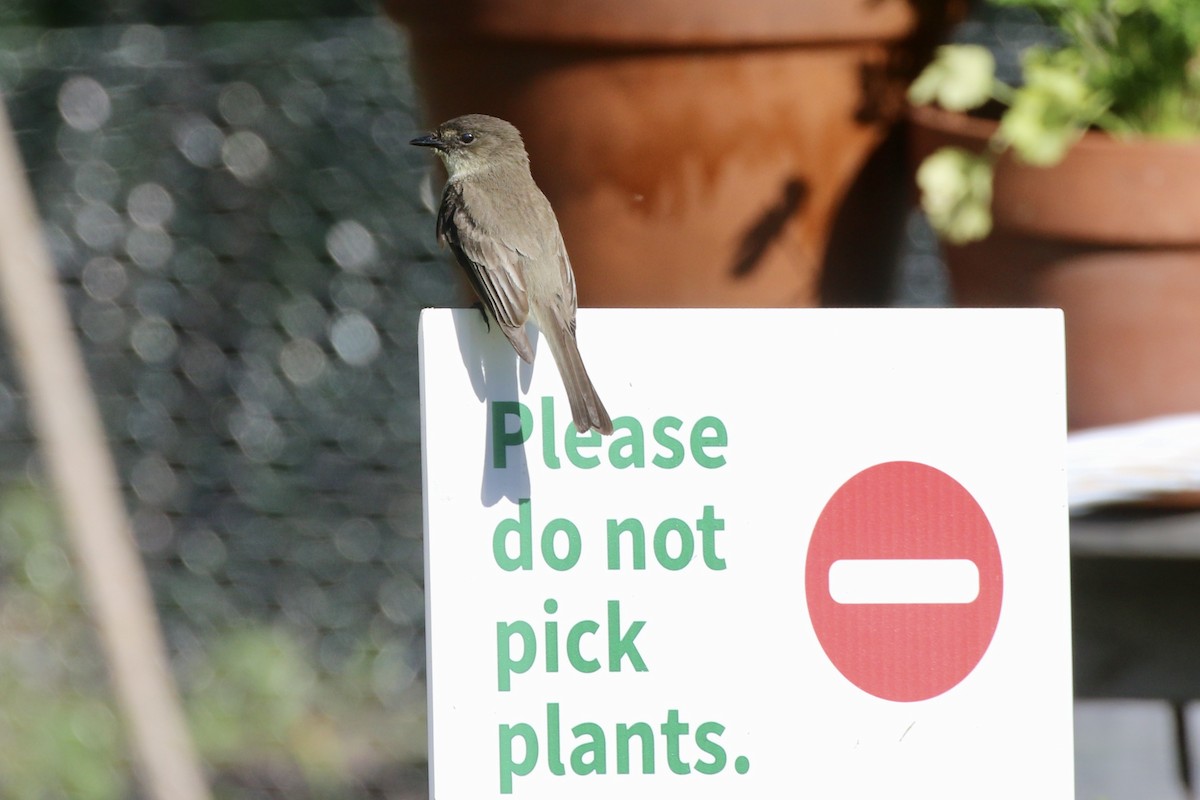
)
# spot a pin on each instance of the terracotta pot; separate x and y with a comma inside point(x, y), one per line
point(1112, 236)
point(697, 152)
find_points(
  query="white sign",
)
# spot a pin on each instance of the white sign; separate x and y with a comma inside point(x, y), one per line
point(823, 554)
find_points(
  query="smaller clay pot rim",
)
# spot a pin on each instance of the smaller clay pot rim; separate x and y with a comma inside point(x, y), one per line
point(980, 129)
point(1106, 191)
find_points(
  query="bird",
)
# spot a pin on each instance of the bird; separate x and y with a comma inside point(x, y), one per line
point(505, 235)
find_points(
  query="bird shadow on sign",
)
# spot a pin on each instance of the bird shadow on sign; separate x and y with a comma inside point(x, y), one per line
point(496, 373)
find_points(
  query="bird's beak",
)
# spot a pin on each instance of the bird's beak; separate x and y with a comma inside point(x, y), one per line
point(428, 140)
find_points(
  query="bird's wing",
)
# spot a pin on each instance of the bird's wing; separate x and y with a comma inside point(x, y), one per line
point(538, 240)
point(569, 299)
point(493, 267)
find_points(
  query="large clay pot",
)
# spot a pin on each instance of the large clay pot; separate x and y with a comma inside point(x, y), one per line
point(1111, 236)
point(697, 152)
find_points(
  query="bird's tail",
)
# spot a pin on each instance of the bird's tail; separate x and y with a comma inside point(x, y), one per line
point(586, 408)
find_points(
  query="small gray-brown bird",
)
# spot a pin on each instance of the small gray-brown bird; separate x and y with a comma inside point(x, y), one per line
point(504, 234)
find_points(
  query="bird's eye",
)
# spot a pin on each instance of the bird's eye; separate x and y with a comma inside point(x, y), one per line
point(466, 138)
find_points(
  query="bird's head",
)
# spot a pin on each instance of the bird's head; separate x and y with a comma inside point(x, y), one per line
point(474, 143)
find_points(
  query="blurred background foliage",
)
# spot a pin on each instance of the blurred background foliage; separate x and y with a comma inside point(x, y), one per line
point(240, 231)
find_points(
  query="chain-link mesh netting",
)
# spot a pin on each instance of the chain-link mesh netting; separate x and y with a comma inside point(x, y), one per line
point(236, 218)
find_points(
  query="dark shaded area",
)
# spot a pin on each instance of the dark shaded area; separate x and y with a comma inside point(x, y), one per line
point(1136, 626)
point(1135, 593)
point(867, 234)
point(866, 239)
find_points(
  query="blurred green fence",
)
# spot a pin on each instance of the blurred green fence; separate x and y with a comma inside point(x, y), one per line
point(236, 218)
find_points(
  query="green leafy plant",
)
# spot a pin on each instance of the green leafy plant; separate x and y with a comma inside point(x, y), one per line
point(1127, 67)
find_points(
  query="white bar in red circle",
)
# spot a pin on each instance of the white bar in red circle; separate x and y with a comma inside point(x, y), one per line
point(865, 581)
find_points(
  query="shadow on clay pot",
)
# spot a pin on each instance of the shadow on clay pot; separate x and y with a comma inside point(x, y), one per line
point(770, 227)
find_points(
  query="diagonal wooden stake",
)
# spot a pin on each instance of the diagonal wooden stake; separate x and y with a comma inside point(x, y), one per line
point(67, 422)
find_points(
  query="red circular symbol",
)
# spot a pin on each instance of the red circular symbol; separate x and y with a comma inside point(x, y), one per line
point(917, 581)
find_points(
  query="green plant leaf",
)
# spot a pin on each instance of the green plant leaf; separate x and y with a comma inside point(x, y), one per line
point(956, 193)
point(959, 78)
point(1052, 110)
point(1140, 56)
